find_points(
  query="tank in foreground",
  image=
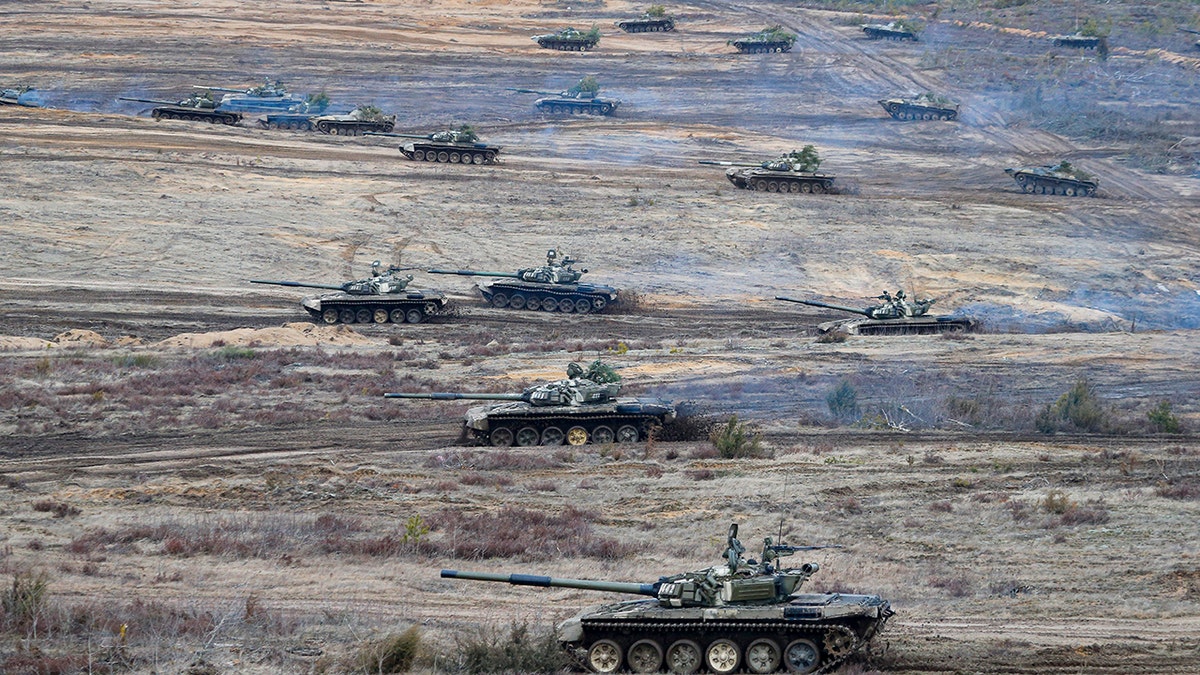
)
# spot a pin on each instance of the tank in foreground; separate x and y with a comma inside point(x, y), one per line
point(925, 106)
point(793, 172)
point(195, 108)
point(553, 287)
point(896, 315)
point(586, 407)
point(452, 146)
point(743, 614)
point(1061, 179)
point(382, 298)
point(770, 39)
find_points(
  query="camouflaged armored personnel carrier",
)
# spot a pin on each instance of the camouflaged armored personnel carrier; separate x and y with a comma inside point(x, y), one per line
point(553, 287)
point(654, 20)
point(770, 39)
point(793, 172)
point(195, 108)
point(584, 408)
point(1063, 179)
point(925, 106)
point(897, 315)
point(383, 298)
point(741, 615)
point(896, 30)
point(453, 146)
point(581, 99)
point(569, 40)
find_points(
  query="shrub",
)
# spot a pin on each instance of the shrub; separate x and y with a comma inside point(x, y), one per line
point(843, 402)
point(737, 440)
point(25, 600)
point(1162, 419)
point(700, 474)
point(391, 654)
point(59, 509)
point(832, 337)
point(521, 650)
point(1079, 409)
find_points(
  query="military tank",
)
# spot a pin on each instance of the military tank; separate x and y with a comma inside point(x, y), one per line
point(362, 119)
point(25, 96)
point(896, 316)
point(743, 614)
point(582, 99)
point(925, 106)
point(793, 172)
point(553, 287)
point(456, 146)
point(1063, 179)
point(584, 408)
point(195, 108)
point(654, 20)
point(569, 40)
point(268, 97)
point(383, 298)
point(896, 30)
point(1078, 41)
point(770, 39)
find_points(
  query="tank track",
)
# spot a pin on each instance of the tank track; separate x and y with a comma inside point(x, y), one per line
point(568, 46)
point(1052, 185)
point(344, 128)
point(780, 181)
point(646, 26)
point(614, 421)
point(596, 302)
point(762, 47)
point(210, 116)
point(371, 310)
point(902, 111)
point(450, 154)
point(568, 107)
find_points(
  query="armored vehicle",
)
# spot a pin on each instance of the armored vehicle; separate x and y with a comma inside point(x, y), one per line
point(26, 96)
point(1078, 41)
point(267, 97)
point(896, 30)
point(896, 316)
point(289, 120)
point(743, 614)
point(1062, 179)
point(553, 287)
point(361, 119)
point(921, 107)
point(584, 408)
point(196, 108)
point(582, 99)
point(654, 20)
point(569, 40)
point(770, 39)
point(1193, 32)
point(456, 146)
point(793, 172)
point(383, 298)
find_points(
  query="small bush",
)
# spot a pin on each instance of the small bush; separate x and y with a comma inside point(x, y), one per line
point(391, 654)
point(943, 506)
point(1079, 409)
point(700, 474)
point(1057, 502)
point(737, 440)
point(521, 650)
point(59, 509)
point(25, 600)
point(832, 337)
point(1179, 489)
point(843, 402)
point(1162, 419)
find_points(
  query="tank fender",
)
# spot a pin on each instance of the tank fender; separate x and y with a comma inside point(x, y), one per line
point(570, 630)
point(312, 303)
point(416, 295)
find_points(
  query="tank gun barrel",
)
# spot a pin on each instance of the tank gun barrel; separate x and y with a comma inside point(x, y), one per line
point(147, 100)
point(472, 273)
point(454, 396)
point(226, 89)
point(814, 303)
point(297, 284)
point(533, 91)
point(547, 582)
point(714, 162)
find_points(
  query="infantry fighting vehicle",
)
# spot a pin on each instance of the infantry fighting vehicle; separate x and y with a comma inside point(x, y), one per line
point(896, 30)
point(362, 119)
point(743, 614)
point(267, 97)
point(553, 287)
point(584, 408)
point(384, 297)
point(770, 39)
point(793, 172)
point(569, 40)
point(456, 146)
point(654, 20)
point(896, 316)
point(581, 99)
point(925, 106)
point(26, 96)
point(196, 108)
point(1078, 41)
point(1062, 179)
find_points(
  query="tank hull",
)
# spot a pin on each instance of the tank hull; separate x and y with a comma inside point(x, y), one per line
point(348, 126)
point(404, 307)
point(761, 46)
point(902, 109)
point(452, 153)
point(1050, 184)
point(1077, 41)
point(646, 25)
point(195, 115)
point(623, 420)
point(779, 181)
point(260, 104)
point(566, 44)
point(295, 121)
point(884, 33)
point(576, 106)
point(920, 325)
point(566, 298)
point(811, 633)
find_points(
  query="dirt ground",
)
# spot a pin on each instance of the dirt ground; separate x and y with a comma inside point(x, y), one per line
point(198, 403)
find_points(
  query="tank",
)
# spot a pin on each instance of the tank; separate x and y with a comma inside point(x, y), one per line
point(362, 119)
point(742, 614)
point(896, 30)
point(270, 96)
point(26, 96)
point(569, 40)
point(654, 20)
point(195, 108)
point(553, 287)
point(456, 146)
point(793, 172)
point(770, 39)
point(896, 316)
point(925, 106)
point(301, 121)
point(586, 407)
point(582, 99)
point(1078, 41)
point(383, 298)
point(1062, 179)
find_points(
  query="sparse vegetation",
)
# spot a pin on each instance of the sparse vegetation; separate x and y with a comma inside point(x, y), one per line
point(1077, 410)
point(1162, 420)
point(843, 402)
point(390, 654)
point(737, 440)
point(519, 649)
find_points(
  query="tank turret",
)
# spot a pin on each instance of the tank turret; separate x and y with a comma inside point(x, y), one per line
point(740, 612)
point(557, 270)
point(897, 315)
point(382, 298)
point(893, 307)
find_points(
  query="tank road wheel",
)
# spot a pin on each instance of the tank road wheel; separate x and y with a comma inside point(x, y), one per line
point(330, 316)
point(577, 436)
point(772, 186)
point(566, 305)
point(380, 315)
point(683, 657)
point(583, 306)
point(455, 158)
point(604, 656)
point(839, 642)
point(431, 156)
point(414, 316)
point(627, 433)
point(528, 436)
point(501, 437)
point(1070, 192)
point(347, 315)
point(759, 184)
point(645, 656)
point(805, 187)
point(603, 435)
point(723, 657)
point(397, 316)
point(364, 315)
point(419, 155)
point(552, 436)
point(533, 304)
point(599, 303)
point(605, 108)
point(517, 301)
point(499, 300)
point(801, 656)
point(443, 156)
point(477, 158)
point(762, 656)
point(549, 304)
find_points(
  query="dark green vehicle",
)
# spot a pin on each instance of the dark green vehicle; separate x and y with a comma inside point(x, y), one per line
point(553, 287)
point(382, 298)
